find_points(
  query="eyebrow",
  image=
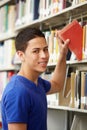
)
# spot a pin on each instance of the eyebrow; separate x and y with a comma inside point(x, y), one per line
point(40, 48)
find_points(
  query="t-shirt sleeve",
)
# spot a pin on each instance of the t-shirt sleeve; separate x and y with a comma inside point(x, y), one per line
point(46, 84)
point(16, 106)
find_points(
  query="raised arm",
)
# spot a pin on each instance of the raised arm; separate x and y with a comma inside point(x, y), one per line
point(58, 77)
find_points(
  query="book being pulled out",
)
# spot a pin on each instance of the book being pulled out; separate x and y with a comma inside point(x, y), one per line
point(74, 32)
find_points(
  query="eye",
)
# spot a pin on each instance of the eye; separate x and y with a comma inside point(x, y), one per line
point(45, 49)
point(36, 51)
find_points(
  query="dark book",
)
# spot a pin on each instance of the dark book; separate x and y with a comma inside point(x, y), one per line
point(78, 89)
point(68, 55)
point(36, 9)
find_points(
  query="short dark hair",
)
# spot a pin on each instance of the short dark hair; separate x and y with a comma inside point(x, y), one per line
point(25, 35)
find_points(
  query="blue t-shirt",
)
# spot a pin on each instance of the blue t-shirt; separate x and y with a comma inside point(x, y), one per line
point(25, 102)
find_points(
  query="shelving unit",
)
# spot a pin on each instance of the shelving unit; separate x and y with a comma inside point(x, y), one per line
point(72, 12)
point(58, 116)
point(61, 117)
point(7, 35)
point(7, 69)
point(67, 109)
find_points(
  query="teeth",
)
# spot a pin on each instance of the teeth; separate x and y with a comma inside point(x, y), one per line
point(42, 62)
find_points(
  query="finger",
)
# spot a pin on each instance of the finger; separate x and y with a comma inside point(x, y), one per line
point(57, 33)
point(67, 41)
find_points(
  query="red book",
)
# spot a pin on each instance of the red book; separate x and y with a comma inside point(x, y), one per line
point(74, 32)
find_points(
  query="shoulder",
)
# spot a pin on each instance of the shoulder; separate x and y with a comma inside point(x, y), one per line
point(15, 90)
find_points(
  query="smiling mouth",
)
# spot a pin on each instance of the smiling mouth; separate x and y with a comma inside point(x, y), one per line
point(43, 63)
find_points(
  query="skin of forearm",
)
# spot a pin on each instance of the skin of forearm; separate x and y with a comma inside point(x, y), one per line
point(59, 73)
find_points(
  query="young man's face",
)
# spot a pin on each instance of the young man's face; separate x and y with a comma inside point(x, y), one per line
point(36, 55)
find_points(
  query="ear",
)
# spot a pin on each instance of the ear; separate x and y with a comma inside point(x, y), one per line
point(21, 55)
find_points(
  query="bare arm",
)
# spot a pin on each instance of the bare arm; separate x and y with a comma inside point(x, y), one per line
point(57, 80)
point(17, 126)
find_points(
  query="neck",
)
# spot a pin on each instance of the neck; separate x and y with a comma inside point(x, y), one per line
point(29, 75)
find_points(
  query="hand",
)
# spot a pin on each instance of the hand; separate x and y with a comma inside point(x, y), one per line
point(63, 46)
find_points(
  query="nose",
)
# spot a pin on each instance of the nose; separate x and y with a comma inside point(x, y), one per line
point(44, 54)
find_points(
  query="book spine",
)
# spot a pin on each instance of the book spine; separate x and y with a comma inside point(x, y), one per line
point(82, 89)
point(85, 107)
point(72, 101)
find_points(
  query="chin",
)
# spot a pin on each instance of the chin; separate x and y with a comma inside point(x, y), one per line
point(42, 71)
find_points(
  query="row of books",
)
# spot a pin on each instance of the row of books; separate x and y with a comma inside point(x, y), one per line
point(25, 11)
point(77, 45)
point(7, 18)
point(75, 2)
point(74, 93)
point(29, 10)
point(4, 79)
point(78, 89)
point(78, 41)
point(50, 7)
point(76, 32)
point(52, 99)
point(7, 52)
point(52, 45)
point(57, 99)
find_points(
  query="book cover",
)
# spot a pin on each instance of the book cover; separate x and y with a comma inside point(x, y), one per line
point(78, 89)
point(67, 86)
point(79, 122)
point(75, 123)
point(85, 95)
point(74, 32)
point(65, 94)
point(36, 9)
point(72, 100)
point(82, 89)
point(84, 43)
point(11, 18)
point(51, 44)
